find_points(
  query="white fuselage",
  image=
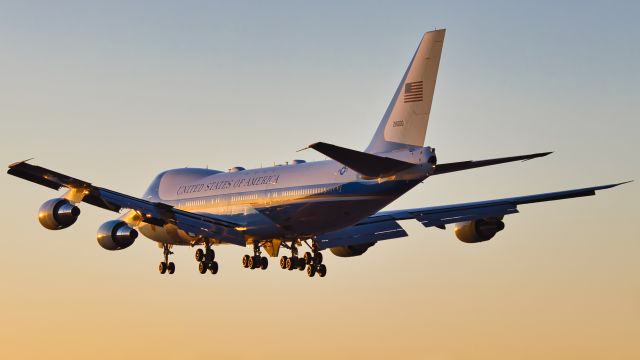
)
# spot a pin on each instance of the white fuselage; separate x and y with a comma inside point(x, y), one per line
point(286, 202)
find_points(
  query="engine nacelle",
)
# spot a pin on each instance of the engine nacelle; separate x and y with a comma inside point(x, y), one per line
point(116, 235)
point(351, 250)
point(56, 214)
point(476, 231)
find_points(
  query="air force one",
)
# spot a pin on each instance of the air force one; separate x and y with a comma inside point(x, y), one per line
point(333, 204)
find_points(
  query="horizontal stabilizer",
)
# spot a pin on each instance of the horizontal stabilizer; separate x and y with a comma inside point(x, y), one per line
point(364, 163)
point(471, 164)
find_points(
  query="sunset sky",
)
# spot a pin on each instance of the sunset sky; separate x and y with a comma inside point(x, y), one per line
point(114, 92)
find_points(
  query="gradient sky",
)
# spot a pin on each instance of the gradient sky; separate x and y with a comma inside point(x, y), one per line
point(114, 92)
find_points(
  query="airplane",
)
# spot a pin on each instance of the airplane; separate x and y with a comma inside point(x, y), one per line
point(330, 205)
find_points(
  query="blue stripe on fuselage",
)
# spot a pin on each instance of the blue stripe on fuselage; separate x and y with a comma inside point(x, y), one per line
point(300, 210)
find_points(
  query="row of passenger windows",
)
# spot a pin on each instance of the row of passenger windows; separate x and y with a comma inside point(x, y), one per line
point(301, 192)
point(255, 196)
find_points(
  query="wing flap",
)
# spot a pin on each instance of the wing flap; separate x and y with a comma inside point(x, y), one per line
point(361, 234)
point(441, 218)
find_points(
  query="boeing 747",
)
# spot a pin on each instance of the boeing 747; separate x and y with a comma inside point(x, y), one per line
point(301, 206)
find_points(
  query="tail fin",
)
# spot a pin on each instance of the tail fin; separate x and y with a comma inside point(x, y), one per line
point(404, 124)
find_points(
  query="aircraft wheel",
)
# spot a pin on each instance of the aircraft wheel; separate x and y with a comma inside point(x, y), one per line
point(317, 258)
point(245, 261)
point(213, 267)
point(264, 263)
point(171, 268)
point(322, 270)
point(291, 263)
point(283, 262)
point(250, 263)
point(199, 255)
point(202, 267)
point(301, 264)
point(209, 256)
point(163, 267)
point(311, 270)
point(308, 258)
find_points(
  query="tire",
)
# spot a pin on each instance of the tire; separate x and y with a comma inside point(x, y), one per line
point(308, 258)
point(250, 262)
point(162, 268)
point(311, 270)
point(199, 255)
point(264, 263)
point(209, 256)
point(213, 267)
point(245, 261)
point(322, 270)
point(171, 268)
point(301, 264)
point(202, 267)
point(290, 262)
point(317, 258)
point(283, 262)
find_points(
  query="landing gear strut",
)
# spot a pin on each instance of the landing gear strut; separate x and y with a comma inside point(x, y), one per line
point(257, 261)
point(206, 259)
point(292, 262)
point(166, 266)
point(312, 261)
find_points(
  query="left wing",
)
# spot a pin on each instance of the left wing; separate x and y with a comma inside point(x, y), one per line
point(155, 213)
point(384, 225)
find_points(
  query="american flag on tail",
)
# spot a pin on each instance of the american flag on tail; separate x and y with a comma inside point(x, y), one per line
point(413, 91)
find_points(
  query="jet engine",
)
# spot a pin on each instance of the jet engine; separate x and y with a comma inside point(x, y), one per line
point(351, 250)
point(116, 235)
point(56, 214)
point(480, 230)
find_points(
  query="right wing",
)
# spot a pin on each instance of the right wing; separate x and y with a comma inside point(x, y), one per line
point(155, 213)
point(384, 225)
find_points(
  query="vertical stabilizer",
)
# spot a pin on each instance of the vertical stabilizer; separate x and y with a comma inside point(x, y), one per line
point(404, 124)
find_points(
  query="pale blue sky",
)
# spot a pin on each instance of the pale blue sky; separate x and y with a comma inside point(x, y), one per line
point(114, 92)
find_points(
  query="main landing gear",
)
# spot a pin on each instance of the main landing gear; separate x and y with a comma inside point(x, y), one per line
point(257, 261)
point(206, 260)
point(312, 261)
point(166, 266)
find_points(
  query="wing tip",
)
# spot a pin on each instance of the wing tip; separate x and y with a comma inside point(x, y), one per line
point(312, 146)
point(11, 166)
point(622, 183)
point(538, 155)
point(604, 187)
